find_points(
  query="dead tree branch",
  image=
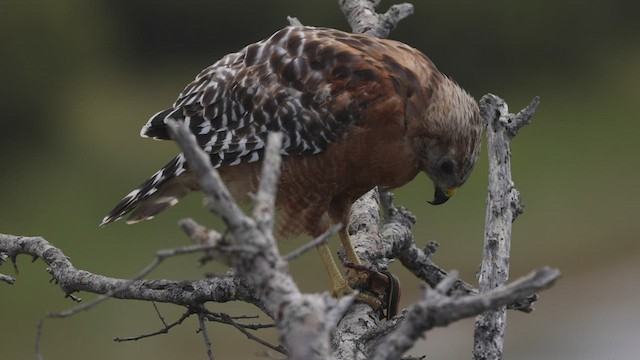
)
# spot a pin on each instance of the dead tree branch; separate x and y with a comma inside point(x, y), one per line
point(364, 19)
point(164, 330)
point(503, 206)
point(70, 279)
point(438, 309)
point(301, 324)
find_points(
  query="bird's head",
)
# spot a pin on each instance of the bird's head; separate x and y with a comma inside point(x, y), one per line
point(449, 139)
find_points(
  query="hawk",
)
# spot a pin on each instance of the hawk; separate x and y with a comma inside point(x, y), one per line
point(356, 112)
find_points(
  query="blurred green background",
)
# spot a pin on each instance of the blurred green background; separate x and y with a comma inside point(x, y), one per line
point(79, 78)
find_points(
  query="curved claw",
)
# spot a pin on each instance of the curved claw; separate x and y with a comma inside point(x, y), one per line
point(382, 285)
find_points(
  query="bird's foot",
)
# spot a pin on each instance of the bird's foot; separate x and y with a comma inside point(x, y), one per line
point(342, 289)
point(384, 287)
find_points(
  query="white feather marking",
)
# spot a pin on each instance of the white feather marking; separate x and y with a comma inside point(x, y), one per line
point(234, 118)
point(200, 86)
point(243, 121)
point(223, 120)
point(206, 128)
point(190, 100)
point(305, 146)
point(260, 52)
point(158, 176)
point(132, 194)
point(143, 131)
point(286, 144)
point(179, 170)
point(148, 124)
point(213, 140)
point(216, 95)
point(242, 147)
point(254, 157)
point(259, 145)
point(214, 113)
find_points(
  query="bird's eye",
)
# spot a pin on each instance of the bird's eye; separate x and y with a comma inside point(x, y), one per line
point(447, 167)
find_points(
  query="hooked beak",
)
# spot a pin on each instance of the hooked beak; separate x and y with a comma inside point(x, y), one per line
point(441, 196)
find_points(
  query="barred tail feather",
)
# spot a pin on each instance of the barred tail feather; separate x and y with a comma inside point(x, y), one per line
point(164, 189)
point(156, 127)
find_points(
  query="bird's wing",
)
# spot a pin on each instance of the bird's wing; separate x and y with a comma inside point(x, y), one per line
point(314, 85)
point(308, 83)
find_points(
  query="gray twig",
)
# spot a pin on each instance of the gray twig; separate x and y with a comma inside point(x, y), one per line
point(293, 21)
point(243, 329)
point(363, 18)
point(265, 199)
point(314, 243)
point(8, 279)
point(205, 336)
point(164, 330)
point(38, 339)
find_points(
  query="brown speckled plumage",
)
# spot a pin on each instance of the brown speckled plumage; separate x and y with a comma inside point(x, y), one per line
point(356, 112)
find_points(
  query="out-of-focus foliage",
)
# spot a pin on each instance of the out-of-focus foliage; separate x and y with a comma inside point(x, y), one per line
point(79, 78)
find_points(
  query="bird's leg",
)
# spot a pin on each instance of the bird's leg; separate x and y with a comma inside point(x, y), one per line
point(340, 287)
point(355, 278)
point(349, 251)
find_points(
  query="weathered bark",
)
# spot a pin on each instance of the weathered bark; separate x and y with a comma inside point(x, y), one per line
point(503, 206)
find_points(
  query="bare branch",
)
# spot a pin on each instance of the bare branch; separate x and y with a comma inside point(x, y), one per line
point(523, 117)
point(242, 328)
point(265, 199)
point(39, 338)
point(155, 307)
point(437, 310)
point(503, 206)
point(363, 18)
point(164, 330)
point(305, 334)
point(314, 243)
point(337, 313)
point(293, 21)
point(364, 230)
point(8, 279)
point(205, 336)
point(70, 279)
point(397, 232)
point(221, 202)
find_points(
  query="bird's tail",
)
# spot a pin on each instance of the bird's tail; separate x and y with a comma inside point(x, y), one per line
point(164, 189)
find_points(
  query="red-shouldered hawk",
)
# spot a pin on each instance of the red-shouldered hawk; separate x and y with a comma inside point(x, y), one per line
point(356, 112)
